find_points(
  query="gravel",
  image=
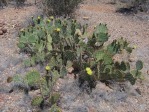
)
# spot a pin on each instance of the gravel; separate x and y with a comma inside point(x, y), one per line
point(11, 61)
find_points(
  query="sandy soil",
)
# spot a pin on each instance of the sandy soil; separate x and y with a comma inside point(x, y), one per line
point(10, 59)
point(102, 99)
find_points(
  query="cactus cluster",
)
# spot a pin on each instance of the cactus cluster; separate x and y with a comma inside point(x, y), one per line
point(100, 59)
point(58, 41)
point(34, 81)
point(63, 43)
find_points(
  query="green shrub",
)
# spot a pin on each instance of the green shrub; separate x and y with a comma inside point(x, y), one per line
point(141, 5)
point(60, 7)
point(136, 5)
point(3, 3)
point(19, 2)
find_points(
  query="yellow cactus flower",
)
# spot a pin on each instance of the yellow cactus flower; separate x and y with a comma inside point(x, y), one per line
point(48, 68)
point(48, 20)
point(89, 71)
point(51, 17)
point(58, 29)
point(39, 17)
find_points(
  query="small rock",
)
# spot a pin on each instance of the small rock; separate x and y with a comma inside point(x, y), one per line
point(4, 30)
point(70, 69)
point(131, 59)
point(86, 18)
point(34, 93)
point(1, 32)
point(121, 26)
point(117, 58)
point(138, 91)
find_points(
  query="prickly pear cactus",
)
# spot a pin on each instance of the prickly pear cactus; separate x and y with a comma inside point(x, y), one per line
point(101, 33)
point(60, 43)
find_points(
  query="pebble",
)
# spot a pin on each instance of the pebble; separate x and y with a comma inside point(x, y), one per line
point(86, 18)
point(131, 59)
point(4, 30)
point(1, 32)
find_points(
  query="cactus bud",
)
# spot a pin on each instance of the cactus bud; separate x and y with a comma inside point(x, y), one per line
point(23, 31)
point(47, 68)
point(57, 29)
point(38, 20)
point(51, 17)
point(48, 21)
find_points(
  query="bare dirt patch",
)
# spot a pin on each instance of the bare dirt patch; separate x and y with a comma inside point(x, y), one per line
point(98, 8)
point(10, 60)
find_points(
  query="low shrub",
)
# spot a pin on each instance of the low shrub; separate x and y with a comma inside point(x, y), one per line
point(3, 3)
point(136, 5)
point(60, 7)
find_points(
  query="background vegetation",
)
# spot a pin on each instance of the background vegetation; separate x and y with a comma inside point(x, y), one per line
point(134, 5)
point(60, 7)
